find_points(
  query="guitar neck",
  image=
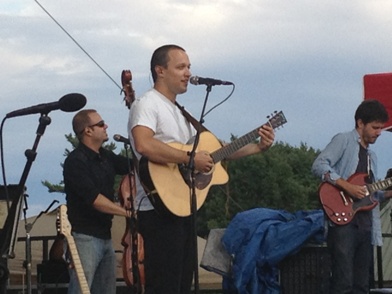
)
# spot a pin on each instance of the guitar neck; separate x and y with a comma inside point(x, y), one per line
point(275, 121)
point(380, 185)
point(78, 266)
point(237, 144)
point(64, 228)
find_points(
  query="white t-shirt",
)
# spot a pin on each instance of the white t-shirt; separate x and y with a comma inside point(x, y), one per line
point(165, 119)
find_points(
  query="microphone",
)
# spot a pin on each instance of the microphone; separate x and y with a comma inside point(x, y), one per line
point(122, 139)
point(68, 103)
point(195, 80)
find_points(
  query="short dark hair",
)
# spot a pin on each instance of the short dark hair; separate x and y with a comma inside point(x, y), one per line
point(80, 121)
point(371, 110)
point(161, 57)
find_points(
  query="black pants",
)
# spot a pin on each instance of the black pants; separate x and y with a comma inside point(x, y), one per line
point(4, 274)
point(351, 251)
point(168, 253)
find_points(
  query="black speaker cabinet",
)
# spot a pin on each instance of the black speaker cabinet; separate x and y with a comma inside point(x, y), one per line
point(4, 273)
point(52, 277)
point(306, 272)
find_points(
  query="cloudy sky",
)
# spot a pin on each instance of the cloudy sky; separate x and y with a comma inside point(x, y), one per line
point(305, 57)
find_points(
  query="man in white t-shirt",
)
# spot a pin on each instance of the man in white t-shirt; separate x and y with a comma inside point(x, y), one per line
point(155, 120)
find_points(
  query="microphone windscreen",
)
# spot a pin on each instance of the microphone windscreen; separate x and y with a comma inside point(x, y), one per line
point(72, 102)
point(194, 80)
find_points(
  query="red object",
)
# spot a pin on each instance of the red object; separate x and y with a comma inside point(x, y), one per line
point(340, 207)
point(133, 254)
point(379, 87)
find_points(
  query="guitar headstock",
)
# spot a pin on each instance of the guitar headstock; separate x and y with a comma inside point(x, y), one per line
point(63, 224)
point(277, 119)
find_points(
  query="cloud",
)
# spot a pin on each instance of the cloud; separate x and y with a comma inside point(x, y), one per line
point(303, 57)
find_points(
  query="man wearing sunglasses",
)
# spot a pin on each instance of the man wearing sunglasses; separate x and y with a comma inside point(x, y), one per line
point(89, 173)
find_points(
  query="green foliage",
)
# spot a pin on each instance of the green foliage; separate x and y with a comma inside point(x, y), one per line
point(279, 179)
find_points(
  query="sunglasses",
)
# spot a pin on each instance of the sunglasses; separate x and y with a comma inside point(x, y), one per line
point(99, 124)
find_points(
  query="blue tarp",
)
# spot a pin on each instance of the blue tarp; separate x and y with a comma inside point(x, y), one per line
point(259, 239)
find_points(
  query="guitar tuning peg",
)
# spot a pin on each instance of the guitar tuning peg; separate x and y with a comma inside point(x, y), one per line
point(272, 114)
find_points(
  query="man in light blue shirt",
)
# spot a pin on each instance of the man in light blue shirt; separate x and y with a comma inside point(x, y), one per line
point(350, 244)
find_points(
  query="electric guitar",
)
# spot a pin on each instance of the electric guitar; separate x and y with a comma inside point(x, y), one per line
point(170, 183)
point(340, 207)
point(64, 228)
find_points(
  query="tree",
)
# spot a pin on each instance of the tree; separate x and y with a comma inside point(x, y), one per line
point(279, 179)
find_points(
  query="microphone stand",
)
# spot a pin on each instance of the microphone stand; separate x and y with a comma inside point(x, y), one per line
point(193, 204)
point(28, 227)
point(137, 287)
point(9, 235)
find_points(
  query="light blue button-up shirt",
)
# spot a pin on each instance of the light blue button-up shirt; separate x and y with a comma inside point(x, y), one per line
point(340, 159)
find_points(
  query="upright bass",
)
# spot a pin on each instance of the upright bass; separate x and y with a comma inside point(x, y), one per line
point(133, 254)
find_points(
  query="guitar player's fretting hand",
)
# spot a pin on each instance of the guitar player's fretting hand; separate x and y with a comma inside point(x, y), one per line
point(267, 137)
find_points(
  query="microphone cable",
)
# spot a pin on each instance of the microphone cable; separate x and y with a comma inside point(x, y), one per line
point(223, 101)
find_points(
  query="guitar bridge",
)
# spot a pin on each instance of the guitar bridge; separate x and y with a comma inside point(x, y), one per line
point(344, 198)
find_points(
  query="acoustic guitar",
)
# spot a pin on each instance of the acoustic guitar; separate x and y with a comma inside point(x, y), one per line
point(171, 182)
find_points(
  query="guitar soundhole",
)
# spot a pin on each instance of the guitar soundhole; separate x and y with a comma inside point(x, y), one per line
point(201, 180)
point(185, 173)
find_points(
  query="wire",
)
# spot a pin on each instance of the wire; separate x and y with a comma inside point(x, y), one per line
point(65, 31)
point(224, 100)
point(93, 60)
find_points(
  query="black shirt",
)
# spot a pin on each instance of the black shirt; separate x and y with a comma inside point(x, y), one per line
point(363, 219)
point(87, 174)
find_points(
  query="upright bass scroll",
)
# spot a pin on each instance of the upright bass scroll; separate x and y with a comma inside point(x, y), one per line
point(126, 81)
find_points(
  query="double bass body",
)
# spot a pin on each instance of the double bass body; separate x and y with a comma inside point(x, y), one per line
point(133, 254)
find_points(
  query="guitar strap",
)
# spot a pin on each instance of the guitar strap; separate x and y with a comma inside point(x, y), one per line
point(370, 172)
point(196, 124)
